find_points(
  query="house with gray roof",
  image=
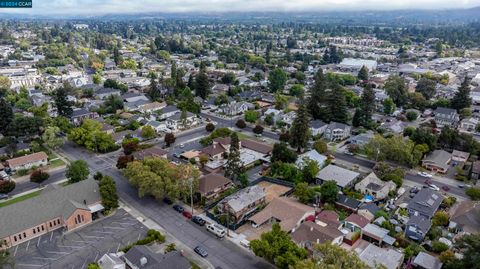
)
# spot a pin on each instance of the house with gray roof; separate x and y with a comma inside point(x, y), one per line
point(243, 203)
point(318, 127)
point(446, 117)
point(374, 256)
point(437, 161)
point(56, 207)
point(141, 257)
point(417, 227)
point(336, 131)
point(426, 261)
point(106, 92)
point(343, 177)
point(425, 203)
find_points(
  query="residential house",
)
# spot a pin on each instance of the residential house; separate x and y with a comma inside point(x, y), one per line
point(212, 185)
point(104, 93)
point(107, 128)
point(426, 261)
point(375, 187)
point(152, 107)
point(377, 235)
point(469, 125)
point(258, 147)
point(135, 105)
point(417, 227)
point(437, 161)
point(343, 177)
point(465, 217)
point(169, 111)
point(318, 127)
point(131, 97)
point(475, 175)
point(111, 261)
point(425, 203)
point(236, 108)
point(68, 207)
point(328, 217)
point(446, 117)
point(141, 257)
point(28, 161)
point(176, 121)
point(81, 114)
point(153, 152)
point(287, 212)
point(460, 156)
point(337, 131)
point(289, 117)
point(120, 136)
point(361, 139)
point(242, 204)
point(368, 210)
point(310, 233)
point(355, 222)
point(347, 203)
point(375, 256)
point(214, 151)
point(311, 155)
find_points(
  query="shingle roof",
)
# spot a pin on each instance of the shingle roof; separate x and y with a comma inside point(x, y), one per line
point(149, 152)
point(373, 256)
point(358, 219)
point(212, 181)
point(347, 201)
point(427, 261)
point(256, 146)
point(342, 176)
point(53, 202)
point(426, 202)
point(170, 260)
point(312, 232)
point(421, 222)
point(245, 197)
point(35, 157)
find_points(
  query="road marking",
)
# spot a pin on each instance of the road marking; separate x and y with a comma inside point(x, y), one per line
point(38, 243)
point(74, 247)
point(118, 248)
point(41, 258)
point(84, 262)
point(139, 234)
point(95, 260)
point(51, 236)
point(58, 252)
point(118, 228)
point(32, 265)
point(93, 236)
point(104, 232)
point(83, 241)
point(15, 252)
point(28, 244)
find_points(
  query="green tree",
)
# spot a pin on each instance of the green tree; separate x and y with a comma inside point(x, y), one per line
point(462, 98)
point(338, 106)
point(329, 191)
point(388, 106)
point(317, 103)
point(64, 107)
point(234, 166)
point(303, 192)
point(277, 79)
point(439, 247)
point(297, 90)
point(332, 257)
point(51, 138)
point(473, 193)
point(39, 176)
point(6, 259)
point(5, 83)
point(300, 130)
point(310, 170)
point(77, 171)
point(7, 186)
point(229, 78)
point(258, 129)
point(153, 90)
point(320, 146)
point(148, 132)
point(363, 73)
point(470, 246)
point(251, 116)
point(281, 153)
point(367, 107)
point(277, 247)
point(7, 115)
point(209, 127)
point(169, 139)
point(426, 87)
point(440, 218)
point(240, 124)
point(411, 115)
point(22, 126)
point(97, 79)
point(396, 88)
point(91, 136)
point(108, 193)
point(202, 84)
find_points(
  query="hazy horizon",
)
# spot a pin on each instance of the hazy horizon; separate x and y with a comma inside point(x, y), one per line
point(98, 7)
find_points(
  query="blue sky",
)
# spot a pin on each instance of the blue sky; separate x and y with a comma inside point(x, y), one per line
point(93, 7)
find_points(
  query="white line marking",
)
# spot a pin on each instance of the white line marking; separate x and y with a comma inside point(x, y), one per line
point(51, 236)
point(15, 253)
point(25, 264)
point(92, 236)
point(96, 256)
point(117, 247)
point(58, 252)
point(85, 242)
point(118, 228)
point(28, 244)
point(38, 243)
point(41, 258)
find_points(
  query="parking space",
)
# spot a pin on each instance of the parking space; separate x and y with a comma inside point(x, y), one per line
point(77, 249)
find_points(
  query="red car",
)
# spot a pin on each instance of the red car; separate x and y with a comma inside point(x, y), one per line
point(187, 214)
point(445, 188)
point(428, 182)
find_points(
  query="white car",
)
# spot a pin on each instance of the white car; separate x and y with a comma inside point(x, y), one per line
point(424, 174)
point(434, 187)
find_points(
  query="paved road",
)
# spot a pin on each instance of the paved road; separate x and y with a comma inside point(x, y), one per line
point(222, 253)
point(26, 185)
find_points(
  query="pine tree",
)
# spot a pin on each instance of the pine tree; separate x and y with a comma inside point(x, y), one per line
point(300, 131)
point(268, 52)
point(317, 102)
point(7, 116)
point(116, 56)
point(201, 84)
point(173, 73)
point(367, 105)
point(234, 166)
point(357, 118)
point(153, 92)
point(462, 96)
point(363, 73)
point(64, 107)
point(338, 105)
point(191, 82)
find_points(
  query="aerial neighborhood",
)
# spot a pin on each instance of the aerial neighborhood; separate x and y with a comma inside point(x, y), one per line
point(239, 143)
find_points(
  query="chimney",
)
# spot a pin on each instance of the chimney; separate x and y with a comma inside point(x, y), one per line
point(143, 261)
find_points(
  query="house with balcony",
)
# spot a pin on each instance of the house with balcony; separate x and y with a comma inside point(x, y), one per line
point(243, 204)
point(446, 117)
point(336, 131)
point(212, 185)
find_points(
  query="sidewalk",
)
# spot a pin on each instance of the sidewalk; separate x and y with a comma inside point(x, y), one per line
point(27, 177)
point(188, 252)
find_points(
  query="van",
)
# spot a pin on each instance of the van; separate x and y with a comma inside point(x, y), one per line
point(217, 230)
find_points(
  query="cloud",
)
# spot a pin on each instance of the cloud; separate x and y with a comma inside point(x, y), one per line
point(95, 7)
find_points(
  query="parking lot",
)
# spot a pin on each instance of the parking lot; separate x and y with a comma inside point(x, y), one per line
point(77, 249)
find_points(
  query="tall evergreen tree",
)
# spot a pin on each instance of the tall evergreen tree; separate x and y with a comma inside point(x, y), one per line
point(396, 88)
point(234, 166)
point(338, 105)
point(191, 82)
point(363, 73)
point(462, 97)
point(64, 107)
point(173, 73)
point(268, 52)
point(7, 116)
point(153, 91)
point(367, 105)
point(300, 131)
point(317, 102)
point(201, 84)
point(116, 56)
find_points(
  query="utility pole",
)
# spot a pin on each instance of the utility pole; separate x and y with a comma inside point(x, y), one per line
point(191, 194)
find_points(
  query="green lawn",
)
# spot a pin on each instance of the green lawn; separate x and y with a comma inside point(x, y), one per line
point(20, 198)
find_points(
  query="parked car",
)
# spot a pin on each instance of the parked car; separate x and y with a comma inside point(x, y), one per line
point(434, 187)
point(187, 214)
point(167, 201)
point(178, 208)
point(414, 189)
point(201, 251)
point(182, 146)
point(217, 230)
point(428, 182)
point(445, 188)
point(198, 220)
point(424, 174)
point(466, 186)
point(3, 196)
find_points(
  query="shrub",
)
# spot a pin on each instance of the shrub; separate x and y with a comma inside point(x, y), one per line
point(210, 127)
point(439, 247)
point(241, 124)
point(412, 115)
point(473, 193)
point(320, 146)
point(39, 176)
point(7, 186)
point(22, 172)
point(440, 219)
